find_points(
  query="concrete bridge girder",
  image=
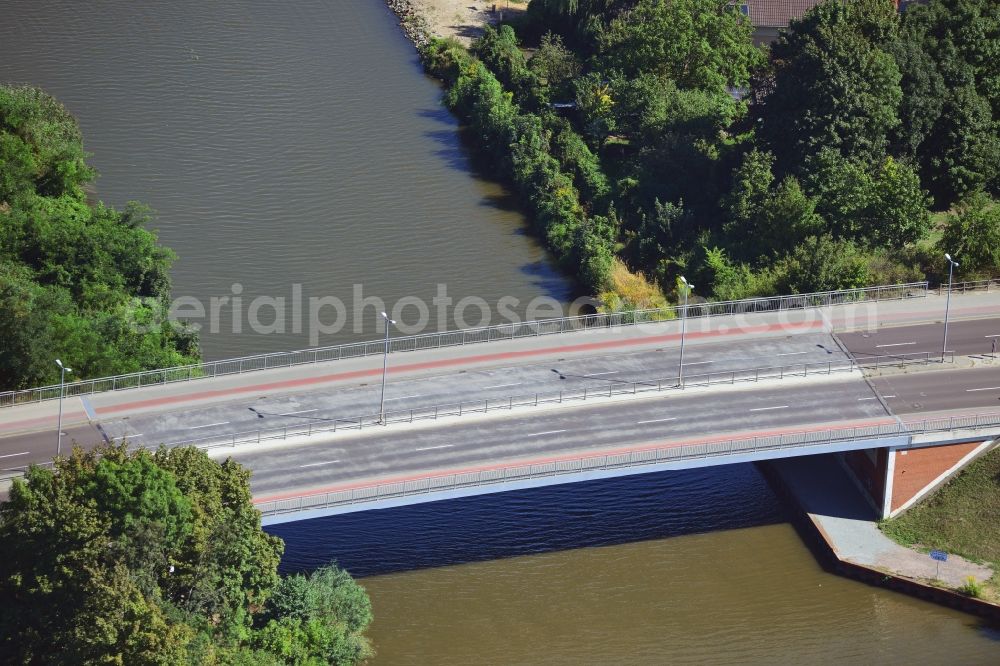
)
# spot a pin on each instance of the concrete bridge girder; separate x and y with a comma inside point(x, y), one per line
point(314, 506)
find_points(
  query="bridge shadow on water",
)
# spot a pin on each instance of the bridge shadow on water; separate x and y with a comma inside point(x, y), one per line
point(575, 515)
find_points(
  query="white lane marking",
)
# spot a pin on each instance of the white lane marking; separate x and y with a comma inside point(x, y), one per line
point(704, 362)
point(209, 425)
point(992, 336)
point(896, 344)
point(547, 432)
point(795, 353)
point(301, 411)
point(136, 434)
point(764, 409)
point(867, 399)
point(888, 396)
point(598, 374)
point(431, 448)
point(992, 388)
point(402, 397)
point(672, 418)
point(325, 462)
point(503, 385)
point(11, 455)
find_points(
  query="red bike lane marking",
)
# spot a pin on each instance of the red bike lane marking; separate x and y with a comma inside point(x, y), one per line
point(444, 363)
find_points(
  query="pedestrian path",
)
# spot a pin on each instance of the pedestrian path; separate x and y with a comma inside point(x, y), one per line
point(847, 522)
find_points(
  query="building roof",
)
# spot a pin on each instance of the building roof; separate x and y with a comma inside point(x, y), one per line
point(777, 13)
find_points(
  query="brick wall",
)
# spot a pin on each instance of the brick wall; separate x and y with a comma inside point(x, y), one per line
point(916, 468)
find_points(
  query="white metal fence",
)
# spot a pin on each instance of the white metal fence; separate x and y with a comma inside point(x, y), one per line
point(461, 337)
point(636, 459)
point(972, 285)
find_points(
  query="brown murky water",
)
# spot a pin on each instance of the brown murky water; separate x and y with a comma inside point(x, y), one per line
point(281, 143)
point(675, 567)
point(751, 595)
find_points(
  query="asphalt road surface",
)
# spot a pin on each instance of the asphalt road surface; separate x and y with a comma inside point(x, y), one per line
point(362, 399)
point(570, 428)
point(967, 337)
point(375, 453)
point(671, 417)
point(973, 389)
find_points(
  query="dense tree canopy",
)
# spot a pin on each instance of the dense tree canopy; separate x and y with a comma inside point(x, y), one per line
point(84, 282)
point(651, 138)
point(833, 87)
point(701, 44)
point(154, 558)
point(956, 43)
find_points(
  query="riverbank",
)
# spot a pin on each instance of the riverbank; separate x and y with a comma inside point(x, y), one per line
point(460, 19)
point(963, 517)
point(842, 530)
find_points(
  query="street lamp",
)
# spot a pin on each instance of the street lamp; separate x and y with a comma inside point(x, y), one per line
point(951, 267)
point(385, 365)
point(62, 390)
point(680, 365)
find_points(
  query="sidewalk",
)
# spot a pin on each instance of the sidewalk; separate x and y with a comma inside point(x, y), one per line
point(842, 525)
point(834, 504)
point(331, 374)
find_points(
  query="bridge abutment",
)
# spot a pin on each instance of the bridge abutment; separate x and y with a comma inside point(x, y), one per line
point(892, 479)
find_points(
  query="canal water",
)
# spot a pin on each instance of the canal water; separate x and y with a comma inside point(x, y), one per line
point(282, 143)
point(676, 567)
point(298, 142)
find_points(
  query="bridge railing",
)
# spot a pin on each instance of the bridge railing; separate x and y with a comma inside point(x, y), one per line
point(497, 332)
point(319, 425)
point(972, 285)
point(637, 458)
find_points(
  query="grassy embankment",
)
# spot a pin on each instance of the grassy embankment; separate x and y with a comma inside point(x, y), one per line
point(962, 518)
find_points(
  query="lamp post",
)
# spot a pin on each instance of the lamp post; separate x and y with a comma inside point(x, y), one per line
point(62, 391)
point(951, 267)
point(680, 365)
point(385, 366)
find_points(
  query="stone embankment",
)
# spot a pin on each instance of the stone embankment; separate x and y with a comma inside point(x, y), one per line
point(414, 23)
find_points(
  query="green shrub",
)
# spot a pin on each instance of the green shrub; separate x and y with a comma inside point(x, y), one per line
point(971, 587)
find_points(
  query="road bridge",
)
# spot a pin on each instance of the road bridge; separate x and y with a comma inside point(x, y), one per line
point(760, 355)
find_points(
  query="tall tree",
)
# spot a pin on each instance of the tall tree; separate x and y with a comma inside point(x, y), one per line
point(963, 37)
point(972, 235)
point(113, 556)
point(957, 137)
point(702, 44)
point(833, 86)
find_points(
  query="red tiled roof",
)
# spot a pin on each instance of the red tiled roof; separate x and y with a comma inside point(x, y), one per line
point(777, 13)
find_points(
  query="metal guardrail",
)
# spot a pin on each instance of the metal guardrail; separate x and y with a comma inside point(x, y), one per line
point(509, 331)
point(318, 425)
point(972, 285)
point(640, 458)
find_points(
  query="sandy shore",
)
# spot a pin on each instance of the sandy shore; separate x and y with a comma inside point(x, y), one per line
point(462, 19)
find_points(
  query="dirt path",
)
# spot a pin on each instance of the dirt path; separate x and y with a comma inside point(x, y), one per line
point(462, 19)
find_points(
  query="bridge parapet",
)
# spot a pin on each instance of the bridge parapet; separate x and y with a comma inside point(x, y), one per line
point(893, 434)
point(507, 331)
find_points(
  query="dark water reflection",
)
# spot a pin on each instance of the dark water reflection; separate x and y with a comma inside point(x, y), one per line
point(691, 567)
point(598, 513)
